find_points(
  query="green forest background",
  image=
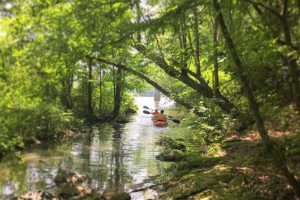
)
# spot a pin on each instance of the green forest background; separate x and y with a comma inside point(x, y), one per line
point(233, 64)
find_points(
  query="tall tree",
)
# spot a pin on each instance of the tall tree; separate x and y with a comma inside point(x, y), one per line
point(197, 43)
point(118, 91)
point(290, 58)
point(216, 85)
point(90, 88)
point(100, 89)
point(278, 155)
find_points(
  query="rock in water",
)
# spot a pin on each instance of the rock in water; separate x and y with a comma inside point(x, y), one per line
point(61, 177)
point(172, 155)
point(129, 111)
point(68, 190)
point(121, 196)
point(71, 184)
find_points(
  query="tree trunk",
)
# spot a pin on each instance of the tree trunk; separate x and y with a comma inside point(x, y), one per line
point(292, 62)
point(66, 92)
point(90, 89)
point(197, 43)
point(70, 87)
point(293, 67)
point(118, 92)
point(3, 59)
point(138, 18)
point(216, 84)
point(183, 45)
point(244, 80)
point(100, 91)
point(278, 155)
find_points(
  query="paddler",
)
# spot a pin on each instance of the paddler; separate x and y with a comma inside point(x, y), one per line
point(160, 117)
point(155, 112)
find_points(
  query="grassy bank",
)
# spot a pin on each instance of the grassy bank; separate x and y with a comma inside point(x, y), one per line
point(235, 166)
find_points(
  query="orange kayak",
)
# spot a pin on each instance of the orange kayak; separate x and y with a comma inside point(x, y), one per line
point(160, 123)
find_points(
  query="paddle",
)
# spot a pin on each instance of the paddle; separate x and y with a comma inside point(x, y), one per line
point(146, 107)
point(170, 117)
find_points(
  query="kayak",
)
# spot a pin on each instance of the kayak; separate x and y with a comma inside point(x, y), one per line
point(160, 123)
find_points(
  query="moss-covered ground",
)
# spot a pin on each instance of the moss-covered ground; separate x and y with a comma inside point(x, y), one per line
point(239, 168)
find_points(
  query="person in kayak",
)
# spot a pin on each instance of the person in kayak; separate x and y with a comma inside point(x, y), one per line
point(155, 112)
point(160, 117)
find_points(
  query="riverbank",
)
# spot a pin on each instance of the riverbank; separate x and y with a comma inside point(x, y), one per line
point(238, 167)
point(68, 127)
point(114, 157)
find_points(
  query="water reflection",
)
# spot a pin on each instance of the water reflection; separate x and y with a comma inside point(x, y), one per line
point(115, 158)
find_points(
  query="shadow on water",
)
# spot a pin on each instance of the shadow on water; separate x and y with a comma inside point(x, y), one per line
point(115, 158)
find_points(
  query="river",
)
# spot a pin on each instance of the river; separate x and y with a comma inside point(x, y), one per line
point(114, 158)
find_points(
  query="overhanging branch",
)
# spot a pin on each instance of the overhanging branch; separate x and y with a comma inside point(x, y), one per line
point(201, 88)
point(148, 80)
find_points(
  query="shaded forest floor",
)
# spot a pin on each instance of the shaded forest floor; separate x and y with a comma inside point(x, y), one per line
point(240, 170)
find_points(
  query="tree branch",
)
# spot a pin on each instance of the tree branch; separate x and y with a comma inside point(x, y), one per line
point(148, 80)
point(201, 88)
point(257, 5)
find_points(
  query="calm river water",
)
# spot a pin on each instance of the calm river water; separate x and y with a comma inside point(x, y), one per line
point(115, 158)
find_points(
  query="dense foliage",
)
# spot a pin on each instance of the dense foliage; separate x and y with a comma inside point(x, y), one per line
point(46, 78)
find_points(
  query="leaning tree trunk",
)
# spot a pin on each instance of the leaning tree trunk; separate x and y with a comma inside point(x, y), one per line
point(278, 156)
point(201, 87)
point(178, 100)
